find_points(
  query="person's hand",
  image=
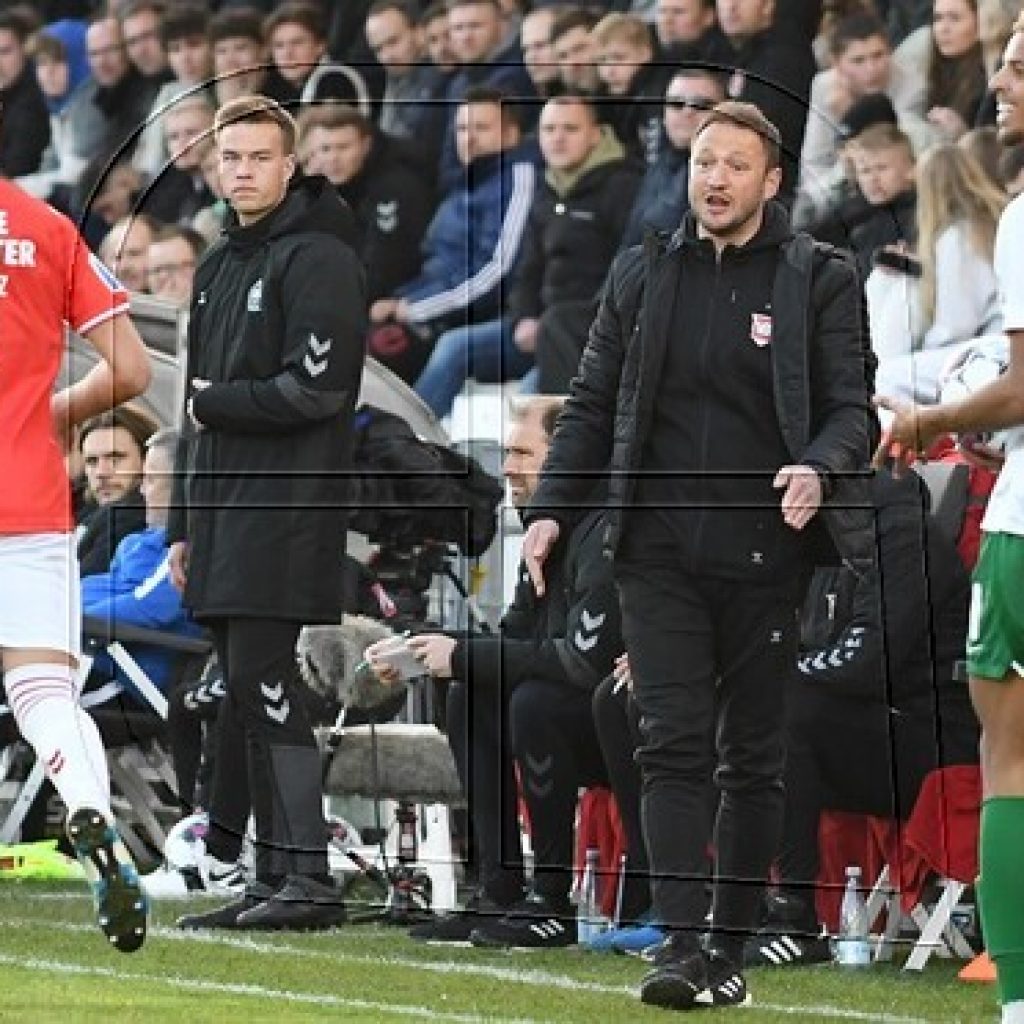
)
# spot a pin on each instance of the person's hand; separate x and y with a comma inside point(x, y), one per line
point(385, 672)
point(839, 98)
point(948, 121)
point(177, 560)
point(383, 310)
point(907, 435)
point(434, 650)
point(802, 496)
point(537, 544)
point(525, 335)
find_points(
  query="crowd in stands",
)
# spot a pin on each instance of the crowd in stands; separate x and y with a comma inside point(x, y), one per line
point(496, 156)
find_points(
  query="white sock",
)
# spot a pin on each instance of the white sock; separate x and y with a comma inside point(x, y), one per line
point(1013, 1013)
point(64, 737)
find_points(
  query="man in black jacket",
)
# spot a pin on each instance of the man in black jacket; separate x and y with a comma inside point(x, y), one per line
point(274, 362)
point(874, 706)
point(26, 124)
point(525, 694)
point(742, 372)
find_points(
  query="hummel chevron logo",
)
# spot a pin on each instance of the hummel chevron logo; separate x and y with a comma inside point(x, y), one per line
point(278, 707)
point(586, 637)
point(315, 361)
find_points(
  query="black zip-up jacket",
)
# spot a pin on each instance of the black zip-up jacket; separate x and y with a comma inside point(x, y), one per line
point(277, 324)
point(571, 635)
point(571, 240)
point(822, 374)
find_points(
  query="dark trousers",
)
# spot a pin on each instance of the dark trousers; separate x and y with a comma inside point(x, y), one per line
point(551, 728)
point(264, 718)
point(846, 755)
point(477, 723)
point(709, 660)
point(618, 732)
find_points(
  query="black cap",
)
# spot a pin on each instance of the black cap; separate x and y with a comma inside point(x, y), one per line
point(875, 108)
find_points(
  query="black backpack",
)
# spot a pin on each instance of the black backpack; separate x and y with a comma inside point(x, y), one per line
point(409, 491)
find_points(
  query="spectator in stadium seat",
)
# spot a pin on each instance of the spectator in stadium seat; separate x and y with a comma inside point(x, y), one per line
point(58, 52)
point(469, 252)
point(885, 171)
point(171, 262)
point(413, 85)
point(634, 83)
point(525, 693)
point(124, 249)
point(484, 58)
point(681, 24)
point(918, 324)
point(663, 196)
point(947, 55)
point(120, 93)
point(876, 688)
point(772, 67)
point(142, 27)
point(296, 38)
point(180, 191)
point(112, 447)
point(381, 181)
point(436, 36)
point(862, 65)
point(184, 34)
point(576, 226)
point(538, 54)
point(575, 49)
point(239, 53)
point(25, 129)
point(136, 590)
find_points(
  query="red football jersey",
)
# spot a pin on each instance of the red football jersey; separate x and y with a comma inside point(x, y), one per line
point(49, 280)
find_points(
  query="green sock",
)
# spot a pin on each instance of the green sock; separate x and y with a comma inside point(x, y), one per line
point(1001, 891)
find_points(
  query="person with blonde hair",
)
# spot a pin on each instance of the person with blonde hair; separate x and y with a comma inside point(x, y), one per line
point(955, 298)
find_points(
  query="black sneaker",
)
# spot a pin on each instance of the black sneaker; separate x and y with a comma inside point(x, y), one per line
point(688, 980)
point(120, 903)
point(302, 904)
point(534, 923)
point(783, 949)
point(457, 926)
point(256, 893)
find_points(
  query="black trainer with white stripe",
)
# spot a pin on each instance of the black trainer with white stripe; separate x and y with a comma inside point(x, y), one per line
point(682, 980)
point(783, 949)
point(534, 923)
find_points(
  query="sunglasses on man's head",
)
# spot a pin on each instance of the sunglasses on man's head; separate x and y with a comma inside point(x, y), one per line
point(688, 103)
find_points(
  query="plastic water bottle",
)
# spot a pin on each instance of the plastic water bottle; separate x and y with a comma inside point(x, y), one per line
point(590, 922)
point(852, 946)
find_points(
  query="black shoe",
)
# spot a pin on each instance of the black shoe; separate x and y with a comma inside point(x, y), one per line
point(120, 903)
point(457, 926)
point(783, 949)
point(302, 904)
point(534, 923)
point(226, 916)
point(687, 981)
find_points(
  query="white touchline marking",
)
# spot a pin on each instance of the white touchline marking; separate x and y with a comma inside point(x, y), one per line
point(531, 977)
point(261, 991)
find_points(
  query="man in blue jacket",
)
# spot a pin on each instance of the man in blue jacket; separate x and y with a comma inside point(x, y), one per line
point(473, 242)
point(137, 589)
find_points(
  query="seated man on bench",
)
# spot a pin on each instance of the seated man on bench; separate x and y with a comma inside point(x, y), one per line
point(137, 589)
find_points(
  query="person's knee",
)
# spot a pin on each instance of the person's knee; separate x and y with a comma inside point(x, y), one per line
point(529, 716)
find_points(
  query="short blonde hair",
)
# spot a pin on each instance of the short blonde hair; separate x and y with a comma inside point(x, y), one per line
point(623, 28)
point(547, 408)
point(257, 109)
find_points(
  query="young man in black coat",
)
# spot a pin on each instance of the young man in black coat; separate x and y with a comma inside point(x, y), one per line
point(257, 536)
point(726, 384)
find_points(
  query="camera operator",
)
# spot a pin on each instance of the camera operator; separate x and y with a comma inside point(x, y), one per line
point(525, 693)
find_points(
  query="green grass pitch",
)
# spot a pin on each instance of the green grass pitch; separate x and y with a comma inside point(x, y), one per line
point(56, 966)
